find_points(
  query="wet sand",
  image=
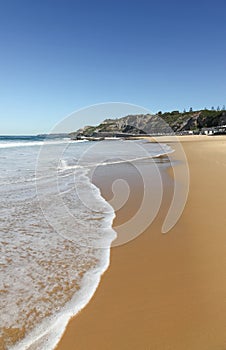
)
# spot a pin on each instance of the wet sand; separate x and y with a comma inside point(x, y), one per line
point(168, 291)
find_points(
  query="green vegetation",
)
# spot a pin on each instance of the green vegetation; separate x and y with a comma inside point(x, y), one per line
point(161, 122)
point(194, 120)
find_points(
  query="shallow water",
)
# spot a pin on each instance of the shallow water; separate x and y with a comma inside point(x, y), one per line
point(56, 232)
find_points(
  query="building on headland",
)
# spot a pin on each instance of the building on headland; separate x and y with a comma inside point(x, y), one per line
point(217, 130)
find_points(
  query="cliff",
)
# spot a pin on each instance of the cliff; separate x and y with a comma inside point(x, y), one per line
point(154, 124)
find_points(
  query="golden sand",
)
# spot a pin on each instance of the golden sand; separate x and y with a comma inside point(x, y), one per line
point(168, 291)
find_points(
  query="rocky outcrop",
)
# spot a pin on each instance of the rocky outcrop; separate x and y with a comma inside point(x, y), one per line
point(160, 123)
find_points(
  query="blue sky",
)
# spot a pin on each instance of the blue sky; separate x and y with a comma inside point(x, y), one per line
point(57, 56)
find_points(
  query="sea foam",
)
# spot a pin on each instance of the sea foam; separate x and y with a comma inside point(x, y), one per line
point(53, 257)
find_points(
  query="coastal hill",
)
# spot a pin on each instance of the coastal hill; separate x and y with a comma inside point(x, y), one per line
point(178, 122)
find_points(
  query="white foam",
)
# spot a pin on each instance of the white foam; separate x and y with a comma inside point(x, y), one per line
point(51, 330)
point(12, 144)
point(48, 333)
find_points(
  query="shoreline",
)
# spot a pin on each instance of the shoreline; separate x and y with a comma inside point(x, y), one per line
point(47, 331)
point(106, 194)
point(136, 315)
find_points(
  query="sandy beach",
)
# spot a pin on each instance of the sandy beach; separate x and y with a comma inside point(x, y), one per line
point(168, 291)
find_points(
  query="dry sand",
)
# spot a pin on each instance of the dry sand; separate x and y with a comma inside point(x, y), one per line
point(168, 291)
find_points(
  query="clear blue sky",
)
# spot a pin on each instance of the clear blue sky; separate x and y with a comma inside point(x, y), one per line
point(60, 55)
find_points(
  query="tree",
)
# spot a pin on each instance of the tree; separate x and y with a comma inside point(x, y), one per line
point(191, 110)
point(223, 108)
point(184, 110)
point(212, 108)
point(218, 108)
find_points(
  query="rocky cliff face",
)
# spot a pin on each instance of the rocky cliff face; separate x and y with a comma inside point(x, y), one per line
point(153, 124)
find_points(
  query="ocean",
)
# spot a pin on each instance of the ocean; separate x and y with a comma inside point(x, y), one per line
point(56, 231)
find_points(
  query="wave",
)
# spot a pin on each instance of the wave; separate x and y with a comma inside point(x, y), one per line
point(48, 332)
point(64, 166)
point(12, 144)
